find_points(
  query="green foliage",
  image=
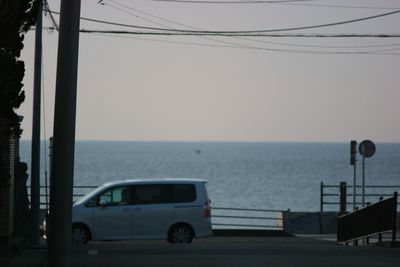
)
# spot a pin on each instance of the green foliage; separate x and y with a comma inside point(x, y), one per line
point(11, 93)
point(16, 18)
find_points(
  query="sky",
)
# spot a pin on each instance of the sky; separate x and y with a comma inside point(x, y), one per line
point(215, 88)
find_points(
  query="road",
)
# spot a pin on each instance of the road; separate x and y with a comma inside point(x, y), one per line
point(234, 251)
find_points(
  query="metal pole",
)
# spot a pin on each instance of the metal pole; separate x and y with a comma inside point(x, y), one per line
point(394, 222)
point(321, 197)
point(61, 184)
point(343, 200)
point(47, 184)
point(354, 185)
point(363, 180)
point(35, 150)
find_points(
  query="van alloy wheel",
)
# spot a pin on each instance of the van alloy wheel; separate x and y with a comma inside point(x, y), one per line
point(181, 234)
point(79, 235)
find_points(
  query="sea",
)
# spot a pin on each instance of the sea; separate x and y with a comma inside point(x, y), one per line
point(255, 175)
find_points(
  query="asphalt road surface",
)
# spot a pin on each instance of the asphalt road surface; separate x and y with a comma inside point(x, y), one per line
point(234, 251)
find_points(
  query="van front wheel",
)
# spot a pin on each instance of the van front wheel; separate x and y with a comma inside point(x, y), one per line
point(180, 233)
point(80, 235)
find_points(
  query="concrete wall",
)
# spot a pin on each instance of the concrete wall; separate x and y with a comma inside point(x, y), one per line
point(309, 222)
point(313, 222)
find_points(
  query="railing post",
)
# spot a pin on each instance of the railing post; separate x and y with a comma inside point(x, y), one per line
point(394, 219)
point(355, 242)
point(322, 197)
point(380, 234)
point(321, 207)
point(367, 237)
point(343, 200)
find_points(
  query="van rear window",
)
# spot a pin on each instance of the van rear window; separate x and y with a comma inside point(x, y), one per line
point(183, 193)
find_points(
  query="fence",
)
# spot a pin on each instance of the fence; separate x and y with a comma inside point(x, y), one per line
point(371, 220)
point(247, 218)
point(222, 217)
point(8, 159)
point(330, 195)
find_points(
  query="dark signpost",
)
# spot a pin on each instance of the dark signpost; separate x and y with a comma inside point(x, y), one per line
point(353, 161)
point(367, 149)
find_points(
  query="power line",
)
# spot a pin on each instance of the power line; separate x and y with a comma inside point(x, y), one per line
point(129, 13)
point(324, 46)
point(240, 32)
point(169, 21)
point(145, 13)
point(340, 6)
point(123, 6)
point(232, 2)
point(178, 32)
point(304, 35)
point(386, 52)
point(47, 9)
point(294, 3)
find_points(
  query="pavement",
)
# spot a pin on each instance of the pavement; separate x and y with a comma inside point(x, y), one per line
point(225, 251)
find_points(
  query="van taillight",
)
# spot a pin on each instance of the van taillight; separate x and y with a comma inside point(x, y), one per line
point(207, 209)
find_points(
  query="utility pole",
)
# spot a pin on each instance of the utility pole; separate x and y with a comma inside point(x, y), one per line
point(61, 184)
point(35, 150)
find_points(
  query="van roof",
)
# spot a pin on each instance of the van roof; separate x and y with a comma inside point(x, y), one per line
point(155, 180)
point(140, 181)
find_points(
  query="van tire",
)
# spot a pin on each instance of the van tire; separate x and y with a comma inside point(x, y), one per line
point(180, 234)
point(80, 234)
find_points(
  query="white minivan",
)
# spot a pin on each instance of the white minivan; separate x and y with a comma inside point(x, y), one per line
point(176, 210)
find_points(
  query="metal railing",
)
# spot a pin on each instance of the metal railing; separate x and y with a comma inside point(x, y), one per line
point(79, 191)
point(222, 217)
point(247, 218)
point(370, 221)
point(330, 194)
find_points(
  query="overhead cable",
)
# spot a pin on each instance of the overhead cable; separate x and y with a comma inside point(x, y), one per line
point(233, 2)
point(382, 52)
point(292, 3)
point(307, 35)
point(214, 39)
point(241, 32)
point(46, 8)
point(126, 9)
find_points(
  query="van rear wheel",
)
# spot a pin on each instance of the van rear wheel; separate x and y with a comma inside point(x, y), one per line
point(180, 234)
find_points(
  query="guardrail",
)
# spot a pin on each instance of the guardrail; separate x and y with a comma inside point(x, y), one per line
point(372, 220)
point(222, 217)
point(247, 218)
point(330, 194)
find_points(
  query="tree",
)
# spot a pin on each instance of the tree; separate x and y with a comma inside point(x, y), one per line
point(16, 18)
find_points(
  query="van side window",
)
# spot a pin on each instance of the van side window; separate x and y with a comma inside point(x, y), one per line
point(151, 194)
point(183, 193)
point(165, 193)
point(113, 197)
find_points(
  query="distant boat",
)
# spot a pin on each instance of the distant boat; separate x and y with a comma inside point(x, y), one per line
point(198, 151)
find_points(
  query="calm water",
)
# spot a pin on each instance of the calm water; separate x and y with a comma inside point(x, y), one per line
point(248, 175)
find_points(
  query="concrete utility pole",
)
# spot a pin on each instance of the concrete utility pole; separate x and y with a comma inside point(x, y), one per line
point(35, 152)
point(61, 185)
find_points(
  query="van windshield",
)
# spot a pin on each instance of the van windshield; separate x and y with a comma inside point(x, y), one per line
point(88, 195)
